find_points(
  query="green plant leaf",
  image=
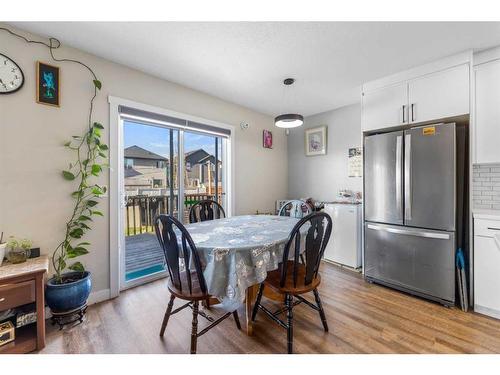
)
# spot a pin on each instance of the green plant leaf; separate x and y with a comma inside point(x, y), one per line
point(76, 137)
point(76, 233)
point(77, 266)
point(77, 251)
point(84, 218)
point(84, 226)
point(103, 147)
point(83, 244)
point(92, 203)
point(61, 263)
point(97, 84)
point(98, 213)
point(77, 194)
point(97, 125)
point(68, 175)
point(96, 169)
point(67, 144)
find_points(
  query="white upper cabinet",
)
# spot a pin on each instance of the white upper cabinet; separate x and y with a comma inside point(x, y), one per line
point(487, 113)
point(385, 107)
point(430, 92)
point(439, 95)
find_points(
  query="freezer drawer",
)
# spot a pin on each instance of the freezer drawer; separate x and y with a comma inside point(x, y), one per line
point(430, 177)
point(383, 178)
point(416, 260)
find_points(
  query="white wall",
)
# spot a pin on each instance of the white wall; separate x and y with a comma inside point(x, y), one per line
point(34, 199)
point(321, 177)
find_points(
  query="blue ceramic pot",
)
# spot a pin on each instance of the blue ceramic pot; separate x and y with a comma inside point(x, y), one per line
point(70, 295)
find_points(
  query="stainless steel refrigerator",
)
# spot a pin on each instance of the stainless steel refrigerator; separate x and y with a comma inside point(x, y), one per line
point(411, 208)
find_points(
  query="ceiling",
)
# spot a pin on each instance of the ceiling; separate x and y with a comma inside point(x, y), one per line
point(246, 62)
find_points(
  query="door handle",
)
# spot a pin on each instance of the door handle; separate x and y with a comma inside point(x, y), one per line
point(399, 146)
point(404, 112)
point(412, 112)
point(408, 181)
point(419, 233)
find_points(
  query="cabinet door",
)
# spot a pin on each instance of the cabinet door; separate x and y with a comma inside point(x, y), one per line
point(439, 95)
point(487, 113)
point(385, 107)
point(487, 272)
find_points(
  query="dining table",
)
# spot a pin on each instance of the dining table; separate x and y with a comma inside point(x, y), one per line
point(237, 253)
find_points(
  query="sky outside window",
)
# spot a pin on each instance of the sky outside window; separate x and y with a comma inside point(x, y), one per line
point(155, 139)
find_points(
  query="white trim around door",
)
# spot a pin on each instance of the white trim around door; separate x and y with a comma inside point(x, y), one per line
point(116, 192)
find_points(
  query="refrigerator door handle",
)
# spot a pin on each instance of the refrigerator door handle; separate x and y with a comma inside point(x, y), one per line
point(399, 147)
point(408, 177)
point(419, 233)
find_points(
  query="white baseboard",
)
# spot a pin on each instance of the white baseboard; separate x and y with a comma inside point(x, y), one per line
point(95, 297)
point(487, 311)
point(99, 296)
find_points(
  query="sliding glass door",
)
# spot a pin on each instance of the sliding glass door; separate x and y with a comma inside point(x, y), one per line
point(166, 170)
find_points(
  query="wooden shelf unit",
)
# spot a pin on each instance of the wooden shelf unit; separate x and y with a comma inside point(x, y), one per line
point(21, 284)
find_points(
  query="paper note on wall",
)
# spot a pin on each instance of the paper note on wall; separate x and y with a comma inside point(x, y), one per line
point(355, 162)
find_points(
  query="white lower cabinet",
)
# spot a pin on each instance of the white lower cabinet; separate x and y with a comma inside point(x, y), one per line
point(487, 267)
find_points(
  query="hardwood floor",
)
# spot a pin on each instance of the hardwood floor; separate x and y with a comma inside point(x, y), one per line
point(363, 318)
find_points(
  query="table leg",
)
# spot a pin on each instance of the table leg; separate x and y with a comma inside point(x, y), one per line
point(251, 294)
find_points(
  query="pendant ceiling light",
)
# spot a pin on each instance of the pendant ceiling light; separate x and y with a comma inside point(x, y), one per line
point(288, 120)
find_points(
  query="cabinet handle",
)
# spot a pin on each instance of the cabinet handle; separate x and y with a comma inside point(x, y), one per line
point(492, 228)
point(2, 299)
point(404, 112)
point(412, 112)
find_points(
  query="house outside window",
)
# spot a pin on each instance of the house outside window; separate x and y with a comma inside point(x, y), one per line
point(157, 183)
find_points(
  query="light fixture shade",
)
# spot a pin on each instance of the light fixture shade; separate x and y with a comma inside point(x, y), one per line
point(289, 120)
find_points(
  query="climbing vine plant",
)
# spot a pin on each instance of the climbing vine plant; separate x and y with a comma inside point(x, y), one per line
point(89, 160)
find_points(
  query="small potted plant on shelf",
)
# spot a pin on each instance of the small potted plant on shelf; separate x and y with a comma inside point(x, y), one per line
point(19, 250)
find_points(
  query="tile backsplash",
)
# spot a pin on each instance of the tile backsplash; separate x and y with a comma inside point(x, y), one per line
point(486, 186)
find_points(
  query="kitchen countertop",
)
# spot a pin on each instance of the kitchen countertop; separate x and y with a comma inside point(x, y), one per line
point(343, 202)
point(486, 214)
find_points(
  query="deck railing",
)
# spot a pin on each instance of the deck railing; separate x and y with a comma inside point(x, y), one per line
point(141, 210)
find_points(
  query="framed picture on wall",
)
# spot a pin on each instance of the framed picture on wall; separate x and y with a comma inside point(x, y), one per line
point(315, 141)
point(47, 84)
point(267, 139)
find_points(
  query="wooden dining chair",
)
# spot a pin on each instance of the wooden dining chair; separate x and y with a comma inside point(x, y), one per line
point(294, 278)
point(295, 208)
point(186, 280)
point(206, 210)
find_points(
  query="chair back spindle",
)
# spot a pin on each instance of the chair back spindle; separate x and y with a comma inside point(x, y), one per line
point(206, 210)
point(316, 240)
point(168, 230)
point(295, 208)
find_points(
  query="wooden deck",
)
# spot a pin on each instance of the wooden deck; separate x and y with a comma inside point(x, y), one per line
point(142, 251)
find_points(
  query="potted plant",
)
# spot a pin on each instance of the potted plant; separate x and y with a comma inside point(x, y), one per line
point(69, 288)
point(19, 250)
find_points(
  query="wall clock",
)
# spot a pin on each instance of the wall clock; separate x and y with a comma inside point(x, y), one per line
point(11, 76)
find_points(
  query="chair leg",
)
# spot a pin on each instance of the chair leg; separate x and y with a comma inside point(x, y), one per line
point(194, 329)
point(167, 315)
point(236, 319)
point(321, 311)
point(257, 302)
point(289, 318)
